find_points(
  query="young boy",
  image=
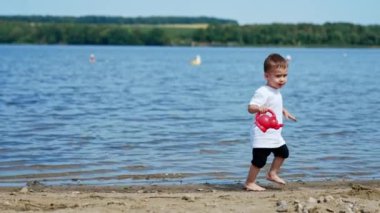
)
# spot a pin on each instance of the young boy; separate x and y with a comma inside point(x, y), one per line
point(263, 144)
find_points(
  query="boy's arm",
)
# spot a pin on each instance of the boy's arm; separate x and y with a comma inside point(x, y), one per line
point(252, 108)
point(288, 115)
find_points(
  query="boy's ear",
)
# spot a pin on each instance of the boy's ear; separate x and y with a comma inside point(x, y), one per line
point(265, 75)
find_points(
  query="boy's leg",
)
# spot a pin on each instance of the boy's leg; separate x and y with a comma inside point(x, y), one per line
point(274, 169)
point(250, 183)
point(259, 158)
point(280, 154)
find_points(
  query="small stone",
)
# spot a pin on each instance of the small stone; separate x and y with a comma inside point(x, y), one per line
point(210, 205)
point(282, 209)
point(298, 207)
point(310, 207)
point(348, 210)
point(281, 203)
point(321, 199)
point(282, 206)
point(329, 198)
point(226, 197)
point(312, 200)
point(24, 189)
point(188, 198)
point(364, 211)
point(314, 209)
point(347, 201)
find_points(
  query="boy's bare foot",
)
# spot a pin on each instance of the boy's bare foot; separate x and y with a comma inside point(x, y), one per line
point(253, 187)
point(276, 179)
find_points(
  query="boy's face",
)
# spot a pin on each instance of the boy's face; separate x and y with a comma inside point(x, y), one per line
point(277, 78)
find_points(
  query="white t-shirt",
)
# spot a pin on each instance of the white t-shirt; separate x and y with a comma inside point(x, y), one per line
point(272, 99)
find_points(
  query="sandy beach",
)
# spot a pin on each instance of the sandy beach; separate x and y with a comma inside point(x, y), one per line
point(333, 196)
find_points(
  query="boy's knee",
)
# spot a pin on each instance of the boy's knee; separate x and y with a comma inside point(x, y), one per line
point(282, 152)
point(259, 163)
point(259, 157)
point(286, 155)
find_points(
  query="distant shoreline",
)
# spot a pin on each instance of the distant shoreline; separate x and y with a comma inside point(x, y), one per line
point(196, 46)
point(181, 31)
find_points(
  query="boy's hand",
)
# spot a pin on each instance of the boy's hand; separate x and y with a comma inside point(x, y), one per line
point(263, 109)
point(255, 109)
point(289, 116)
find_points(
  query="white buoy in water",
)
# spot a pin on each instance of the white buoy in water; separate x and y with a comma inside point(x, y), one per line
point(92, 58)
point(288, 57)
point(197, 60)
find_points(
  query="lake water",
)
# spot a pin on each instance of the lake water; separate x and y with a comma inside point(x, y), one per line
point(144, 115)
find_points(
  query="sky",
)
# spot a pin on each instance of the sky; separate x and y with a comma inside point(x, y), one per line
point(363, 12)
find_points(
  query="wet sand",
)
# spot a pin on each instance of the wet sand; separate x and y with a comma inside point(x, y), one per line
point(333, 196)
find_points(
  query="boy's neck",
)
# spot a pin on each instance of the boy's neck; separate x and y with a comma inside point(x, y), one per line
point(271, 87)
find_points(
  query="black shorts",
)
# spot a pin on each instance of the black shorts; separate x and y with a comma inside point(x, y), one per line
point(260, 155)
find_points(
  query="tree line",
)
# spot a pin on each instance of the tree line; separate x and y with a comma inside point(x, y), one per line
point(223, 34)
point(328, 34)
point(118, 19)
